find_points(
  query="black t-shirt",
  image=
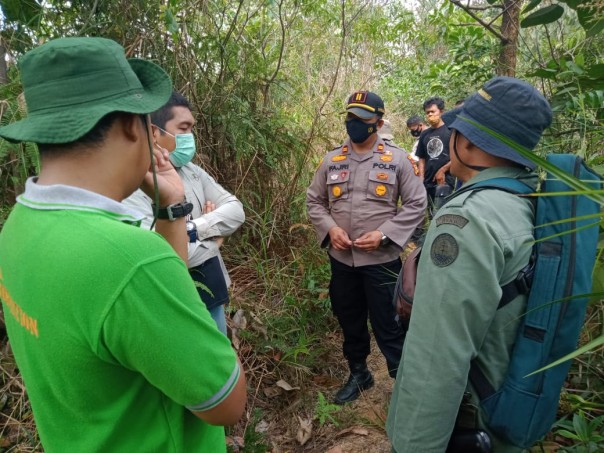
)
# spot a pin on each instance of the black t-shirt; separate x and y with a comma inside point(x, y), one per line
point(433, 147)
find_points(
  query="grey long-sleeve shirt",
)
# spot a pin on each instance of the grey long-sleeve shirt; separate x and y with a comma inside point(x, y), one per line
point(361, 193)
point(223, 221)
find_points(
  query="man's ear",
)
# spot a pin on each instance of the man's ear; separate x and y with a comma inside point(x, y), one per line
point(380, 123)
point(155, 132)
point(132, 127)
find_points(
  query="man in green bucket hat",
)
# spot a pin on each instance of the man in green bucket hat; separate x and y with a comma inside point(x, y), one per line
point(116, 352)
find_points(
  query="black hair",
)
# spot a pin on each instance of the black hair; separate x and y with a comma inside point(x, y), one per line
point(164, 114)
point(438, 102)
point(93, 138)
point(459, 103)
point(415, 119)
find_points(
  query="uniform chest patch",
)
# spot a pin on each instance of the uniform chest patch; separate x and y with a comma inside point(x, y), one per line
point(452, 219)
point(382, 176)
point(380, 190)
point(338, 158)
point(336, 191)
point(386, 158)
point(444, 250)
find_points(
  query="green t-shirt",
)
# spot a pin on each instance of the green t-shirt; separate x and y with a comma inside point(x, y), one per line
point(107, 329)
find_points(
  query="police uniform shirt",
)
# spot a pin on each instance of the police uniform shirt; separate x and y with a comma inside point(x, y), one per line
point(361, 193)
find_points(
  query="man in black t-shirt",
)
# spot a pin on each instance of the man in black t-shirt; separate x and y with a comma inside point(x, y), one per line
point(433, 149)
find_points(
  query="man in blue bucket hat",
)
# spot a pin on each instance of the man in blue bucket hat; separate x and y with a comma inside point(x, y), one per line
point(116, 352)
point(477, 243)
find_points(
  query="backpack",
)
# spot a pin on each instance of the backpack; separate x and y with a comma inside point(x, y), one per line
point(523, 410)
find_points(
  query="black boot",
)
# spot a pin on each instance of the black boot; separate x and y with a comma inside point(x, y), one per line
point(360, 379)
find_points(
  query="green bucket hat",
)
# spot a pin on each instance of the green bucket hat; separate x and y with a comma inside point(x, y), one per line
point(71, 83)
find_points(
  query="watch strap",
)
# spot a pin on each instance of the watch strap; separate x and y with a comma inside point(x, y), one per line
point(174, 211)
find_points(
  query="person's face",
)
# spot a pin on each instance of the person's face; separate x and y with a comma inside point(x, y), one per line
point(433, 114)
point(416, 129)
point(182, 122)
point(460, 148)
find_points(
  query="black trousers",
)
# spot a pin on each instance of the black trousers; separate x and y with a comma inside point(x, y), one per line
point(367, 291)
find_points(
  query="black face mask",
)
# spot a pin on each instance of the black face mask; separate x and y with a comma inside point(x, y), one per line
point(415, 132)
point(358, 131)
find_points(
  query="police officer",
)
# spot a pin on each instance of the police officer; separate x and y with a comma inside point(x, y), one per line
point(477, 243)
point(353, 203)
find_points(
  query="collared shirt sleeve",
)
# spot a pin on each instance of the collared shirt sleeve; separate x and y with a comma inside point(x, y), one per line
point(140, 201)
point(456, 298)
point(317, 204)
point(414, 202)
point(228, 215)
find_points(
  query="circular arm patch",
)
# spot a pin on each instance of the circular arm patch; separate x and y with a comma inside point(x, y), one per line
point(444, 250)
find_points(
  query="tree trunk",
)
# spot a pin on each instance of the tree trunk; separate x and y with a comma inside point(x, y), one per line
point(510, 27)
point(3, 70)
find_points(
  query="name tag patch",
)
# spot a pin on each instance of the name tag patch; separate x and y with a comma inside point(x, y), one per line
point(452, 219)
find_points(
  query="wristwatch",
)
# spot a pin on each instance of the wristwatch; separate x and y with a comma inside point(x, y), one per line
point(174, 211)
point(191, 231)
point(385, 239)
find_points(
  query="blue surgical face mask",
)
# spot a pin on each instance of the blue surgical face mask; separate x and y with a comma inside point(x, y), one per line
point(185, 148)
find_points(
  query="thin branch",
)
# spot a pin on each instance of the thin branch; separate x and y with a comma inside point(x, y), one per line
point(282, 49)
point(489, 27)
point(92, 12)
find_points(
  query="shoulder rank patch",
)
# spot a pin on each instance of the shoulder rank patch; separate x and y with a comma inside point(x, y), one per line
point(444, 250)
point(452, 219)
point(344, 149)
point(414, 165)
point(338, 158)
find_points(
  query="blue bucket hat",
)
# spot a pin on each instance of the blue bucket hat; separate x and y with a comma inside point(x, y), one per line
point(509, 106)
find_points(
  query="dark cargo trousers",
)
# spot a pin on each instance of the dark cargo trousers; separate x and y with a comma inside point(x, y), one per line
point(357, 292)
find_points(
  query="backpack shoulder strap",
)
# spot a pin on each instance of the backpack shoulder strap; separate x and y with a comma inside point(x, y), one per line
point(510, 185)
point(522, 283)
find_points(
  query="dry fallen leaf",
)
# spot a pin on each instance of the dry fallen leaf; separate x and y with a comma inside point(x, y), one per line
point(239, 320)
point(235, 441)
point(304, 431)
point(285, 386)
point(271, 392)
point(261, 427)
point(353, 430)
point(336, 449)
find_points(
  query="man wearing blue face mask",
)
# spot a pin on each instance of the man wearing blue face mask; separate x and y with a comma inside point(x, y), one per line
point(214, 214)
point(353, 203)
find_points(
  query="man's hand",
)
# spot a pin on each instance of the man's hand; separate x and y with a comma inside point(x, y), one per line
point(169, 184)
point(208, 207)
point(439, 177)
point(369, 241)
point(339, 238)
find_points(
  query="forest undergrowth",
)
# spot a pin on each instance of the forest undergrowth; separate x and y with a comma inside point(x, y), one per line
point(290, 347)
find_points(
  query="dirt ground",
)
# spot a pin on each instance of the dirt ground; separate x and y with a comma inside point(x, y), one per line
point(290, 420)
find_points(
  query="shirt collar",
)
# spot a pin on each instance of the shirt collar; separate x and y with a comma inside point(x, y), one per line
point(527, 177)
point(62, 197)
